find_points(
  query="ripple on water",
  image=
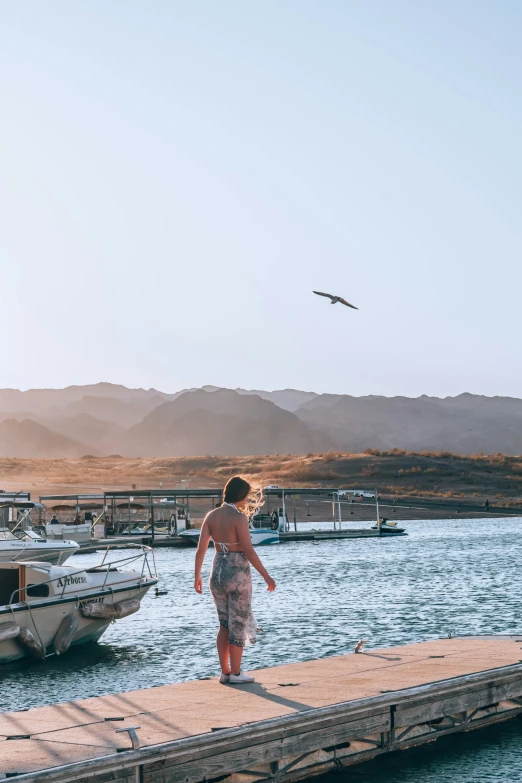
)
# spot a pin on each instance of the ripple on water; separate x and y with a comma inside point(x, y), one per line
point(446, 576)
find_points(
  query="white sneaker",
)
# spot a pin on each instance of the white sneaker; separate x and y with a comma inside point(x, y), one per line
point(239, 679)
point(224, 679)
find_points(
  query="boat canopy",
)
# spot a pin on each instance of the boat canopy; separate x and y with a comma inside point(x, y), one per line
point(22, 504)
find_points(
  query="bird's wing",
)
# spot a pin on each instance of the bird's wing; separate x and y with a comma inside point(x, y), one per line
point(344, 302)
point(320, 293)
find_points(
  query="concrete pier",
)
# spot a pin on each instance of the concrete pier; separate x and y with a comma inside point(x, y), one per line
point(295, 721)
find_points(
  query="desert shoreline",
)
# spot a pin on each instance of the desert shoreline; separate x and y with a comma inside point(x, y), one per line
point(437, 476)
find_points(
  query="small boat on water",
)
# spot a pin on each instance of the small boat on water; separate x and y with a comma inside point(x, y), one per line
point(264, 529)
point(277, 520)
point(19, 541)
point(27, 545)
point(45, 608)
point(80, 532)
point(387, 528)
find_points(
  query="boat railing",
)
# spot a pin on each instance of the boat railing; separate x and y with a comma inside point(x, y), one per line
point(97, 521)
point(144, 554)
point(22, 532)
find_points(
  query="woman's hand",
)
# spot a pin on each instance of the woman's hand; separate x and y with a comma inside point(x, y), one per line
point(270, 584)
point(198, 585)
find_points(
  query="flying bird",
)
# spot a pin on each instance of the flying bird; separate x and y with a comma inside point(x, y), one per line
point(335, 299)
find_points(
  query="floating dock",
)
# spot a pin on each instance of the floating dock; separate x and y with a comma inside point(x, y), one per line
point(161, 541)
point(295, 721)
point(312, 534)
point(328, 535)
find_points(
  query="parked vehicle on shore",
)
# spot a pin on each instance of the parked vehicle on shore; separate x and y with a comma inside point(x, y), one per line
point(358, 493)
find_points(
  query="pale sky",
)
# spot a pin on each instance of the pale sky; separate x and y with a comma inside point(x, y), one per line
point(177, 177)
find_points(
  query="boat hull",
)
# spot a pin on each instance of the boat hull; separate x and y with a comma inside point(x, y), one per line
point(390, 531)
point(259, 536)
point(46, 553)
point(45, 618)
point(80, 533)
point(264, 537)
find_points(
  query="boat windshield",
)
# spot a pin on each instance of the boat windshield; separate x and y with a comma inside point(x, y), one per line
point(21, 535)
point(28, 534)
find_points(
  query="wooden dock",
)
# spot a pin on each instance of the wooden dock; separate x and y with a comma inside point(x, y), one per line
point(295, 721)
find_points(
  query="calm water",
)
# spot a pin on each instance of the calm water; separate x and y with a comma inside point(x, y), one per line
point(459, 576)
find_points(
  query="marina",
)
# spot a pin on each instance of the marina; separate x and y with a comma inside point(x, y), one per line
point(163, 518)
point(156, 516)
point(295, 721)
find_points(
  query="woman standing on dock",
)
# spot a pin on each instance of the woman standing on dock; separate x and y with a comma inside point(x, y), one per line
point(230, 580)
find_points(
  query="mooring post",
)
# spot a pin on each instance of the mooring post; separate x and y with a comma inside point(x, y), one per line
point(391, 733)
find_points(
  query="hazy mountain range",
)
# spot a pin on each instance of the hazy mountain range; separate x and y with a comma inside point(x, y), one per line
point(105, 419)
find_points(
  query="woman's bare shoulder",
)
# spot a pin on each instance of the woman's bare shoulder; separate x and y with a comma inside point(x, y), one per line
point(215, 513)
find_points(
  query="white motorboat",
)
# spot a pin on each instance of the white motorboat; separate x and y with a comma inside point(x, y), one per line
point(263, 536)
point(81, 532)
point(264, 529)
point(45, 608)
point(18, 540)
point(21, 544)
point(277, 521)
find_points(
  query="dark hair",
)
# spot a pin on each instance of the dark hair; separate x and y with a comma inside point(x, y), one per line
point(236, 489)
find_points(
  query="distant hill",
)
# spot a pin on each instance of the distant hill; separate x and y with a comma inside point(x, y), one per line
point(219, 422)
point(49, 401)
point(98, 436)
point(288, 399)
point(29, 439)
point(105, 418)
point(466, 424)
point(122, 412)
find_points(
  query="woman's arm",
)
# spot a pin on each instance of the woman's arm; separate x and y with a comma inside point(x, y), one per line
point(204, 540)
point(243, 534)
